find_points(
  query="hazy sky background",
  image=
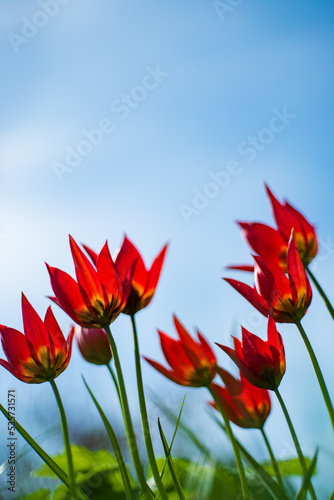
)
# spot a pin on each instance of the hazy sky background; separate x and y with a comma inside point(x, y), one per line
point(220, 78)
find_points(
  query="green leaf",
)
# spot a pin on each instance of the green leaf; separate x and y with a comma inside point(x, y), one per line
point(288, 467)
point(97, 474)
point(38, 495)
point(301, 495)
point(84, 460)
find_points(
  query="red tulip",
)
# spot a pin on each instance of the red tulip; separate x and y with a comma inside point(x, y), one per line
point(244, 404)
point(193, 363)
point(143, 281)
point(262, 363)
point(98, 296)
point(41, 353)
point(272, 244)
point(93, 345)
point(285, 298)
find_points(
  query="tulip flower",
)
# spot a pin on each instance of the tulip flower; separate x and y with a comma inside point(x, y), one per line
point(93, 345)
point(244, 404)
point(193, 363)
point(261, 363)
point(272, 244)
point(98, 296)
point(143, 281)
point(285, 298)
point(41, 353)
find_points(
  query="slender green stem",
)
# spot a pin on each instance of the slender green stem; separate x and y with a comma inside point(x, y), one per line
point(113, 376)
point(130, 433)
point(318, 372)
point(272, 458)
point(66, 437)
point(295, 439)
point(229, 432)
point(321, 291)
point(144, 417)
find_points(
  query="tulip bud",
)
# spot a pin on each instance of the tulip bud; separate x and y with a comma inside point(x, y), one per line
point(94, 345)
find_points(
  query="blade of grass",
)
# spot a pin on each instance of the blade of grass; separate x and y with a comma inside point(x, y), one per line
point(173, 418)
point(173, 437)
point(169, 459)
point(115, 445)
point(301, 495)
point(44, 456)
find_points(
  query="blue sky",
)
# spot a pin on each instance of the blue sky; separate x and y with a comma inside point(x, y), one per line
point(220, 80)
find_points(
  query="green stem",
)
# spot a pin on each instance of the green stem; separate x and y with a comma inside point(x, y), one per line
point(229, 432)
point(295, 439)
point(113, 376)
point(130, 433)
point(321, 292)
point(144, 417)
point(318, 372)
point(272, 458)
point(66, 437)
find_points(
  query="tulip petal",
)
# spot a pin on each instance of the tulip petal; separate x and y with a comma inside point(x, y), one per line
point(67, 292)
point(87, 276)
point(93, 255)
point(53, 328)
point(69, 344)
point(175, 355)
point(251, 295)
point(174, 377)
point(14, 345)
point(16, 350)
point(155, 271)
point(108, 274)
point(255, 350)
point(265, 241)
point(196, 351)
point(14, 372)
point(238, 360)
point(272, 283)
point(35, 331)
point(299, 283)
point(210, 355)
point(277, 350)
point(242, 267)
point(126, 257)
point(280, 215)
